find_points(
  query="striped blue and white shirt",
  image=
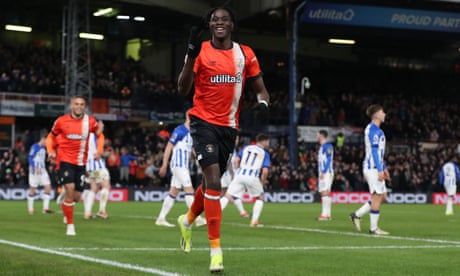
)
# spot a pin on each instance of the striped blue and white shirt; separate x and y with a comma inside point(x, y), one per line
point(92, 164)
point(325, 158)
point(374, 144)
point(37, 157)
point(252, 159)
point(450, 174)
point(182, 150)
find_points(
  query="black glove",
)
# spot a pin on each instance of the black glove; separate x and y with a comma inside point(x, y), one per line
point(261, 112)
point(194, 42)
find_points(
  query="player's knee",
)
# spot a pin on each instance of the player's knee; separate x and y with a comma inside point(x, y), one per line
point(213, 185)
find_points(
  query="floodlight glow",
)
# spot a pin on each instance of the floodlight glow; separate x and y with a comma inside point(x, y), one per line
point(341, 41)
point(91, 36)
point(123, 17)
point(139, 18)
point(101, 12)
point(18, 28)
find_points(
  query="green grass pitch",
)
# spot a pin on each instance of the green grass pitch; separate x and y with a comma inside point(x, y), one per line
point(423, 241)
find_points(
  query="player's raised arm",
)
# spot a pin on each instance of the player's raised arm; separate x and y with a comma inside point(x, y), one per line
point(186, 75)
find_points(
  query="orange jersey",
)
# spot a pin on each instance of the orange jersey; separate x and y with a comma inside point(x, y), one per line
point(220, 76)
point(71, 136)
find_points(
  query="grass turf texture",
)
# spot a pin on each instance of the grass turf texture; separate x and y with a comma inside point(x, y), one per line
point(423, 241)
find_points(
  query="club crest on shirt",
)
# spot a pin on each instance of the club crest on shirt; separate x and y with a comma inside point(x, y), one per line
point(210, 148)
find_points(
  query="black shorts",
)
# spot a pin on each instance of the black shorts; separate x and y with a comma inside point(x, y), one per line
point(213, 144)
point(69, 173)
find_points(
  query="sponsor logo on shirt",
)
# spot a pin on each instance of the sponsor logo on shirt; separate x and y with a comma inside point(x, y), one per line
point(74, 136)
point(225, 78)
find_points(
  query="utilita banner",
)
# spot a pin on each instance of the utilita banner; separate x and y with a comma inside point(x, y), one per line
point(372, 16)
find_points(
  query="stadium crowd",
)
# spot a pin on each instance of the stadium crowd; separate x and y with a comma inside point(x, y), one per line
point(430, 116)
point(413, 169)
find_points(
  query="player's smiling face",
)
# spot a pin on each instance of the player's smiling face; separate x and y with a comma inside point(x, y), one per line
point(221, 24)
point(77, 107)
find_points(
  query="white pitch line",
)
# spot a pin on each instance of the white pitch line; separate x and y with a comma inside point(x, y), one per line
point(272, 248)
point(332, 232)
point(90, 259)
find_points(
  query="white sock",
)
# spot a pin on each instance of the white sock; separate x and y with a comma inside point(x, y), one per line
point(88, 201)
point(257, 210)
point(215, 251)
point(104, 198)
point(46, 201)
point(223, 202)
point(449, 204)
point(326, 204)
point(366, 208)
point(189, 199)
point(238, 204)
point(30, 202)
point(168, 203)
point(374, 219)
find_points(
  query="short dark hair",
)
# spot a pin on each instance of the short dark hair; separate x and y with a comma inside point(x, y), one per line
point(262, 137)
point(372, 109)
point(79, 97)
point(323, 132)
point(207, 16)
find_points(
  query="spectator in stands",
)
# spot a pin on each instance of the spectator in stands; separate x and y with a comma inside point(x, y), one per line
point(113, 164)
point(125, 160)
point(151, 173)
point(140, 177)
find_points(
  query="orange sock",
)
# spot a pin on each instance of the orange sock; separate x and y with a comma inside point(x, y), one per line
point(215, 243)
point(213, 213)
point(67, 208)
point(197, 205)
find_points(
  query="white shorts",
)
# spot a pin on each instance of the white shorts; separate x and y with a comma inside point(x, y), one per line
point(99, 175)
point(375, 186)
point(36, 180)
point(225, 180)
point(325, 184)
point(451, 190)
point(180, 178)
point(240, 183)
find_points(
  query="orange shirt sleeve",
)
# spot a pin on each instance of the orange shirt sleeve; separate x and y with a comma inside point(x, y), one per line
point(50, 143)
point(51, 139)
point(252, 64)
